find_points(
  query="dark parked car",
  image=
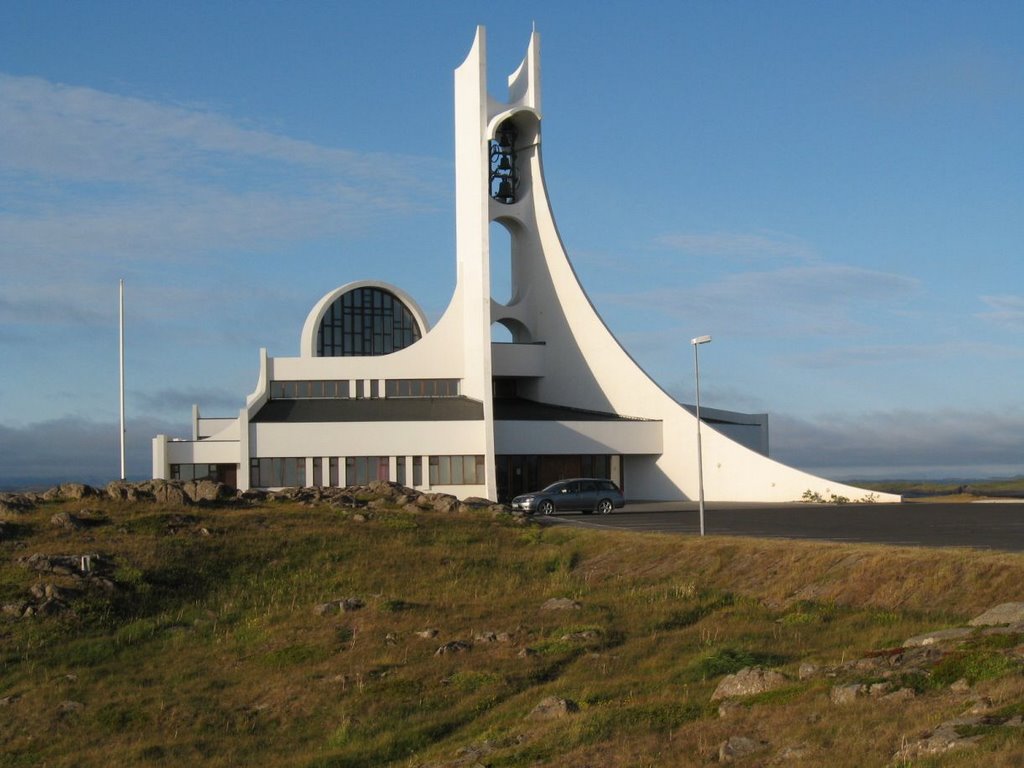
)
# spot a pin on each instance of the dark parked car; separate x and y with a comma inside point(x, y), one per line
point(585, 494)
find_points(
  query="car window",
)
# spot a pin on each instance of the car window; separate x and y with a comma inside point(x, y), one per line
point(608, 485)
point(589, 485)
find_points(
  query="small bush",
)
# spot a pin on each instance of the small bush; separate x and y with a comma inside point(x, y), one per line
point(972, 666)
point(728, 661)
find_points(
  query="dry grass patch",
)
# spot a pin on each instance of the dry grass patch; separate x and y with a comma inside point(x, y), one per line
point(212, 650)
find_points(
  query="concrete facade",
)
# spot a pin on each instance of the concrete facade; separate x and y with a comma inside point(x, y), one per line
point(562, 398)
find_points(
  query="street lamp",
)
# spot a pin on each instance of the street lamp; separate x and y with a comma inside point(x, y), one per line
point(700, 460)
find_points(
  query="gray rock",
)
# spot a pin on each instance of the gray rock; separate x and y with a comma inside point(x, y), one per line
point(587, 634)
point(70, 707)
point(794, 752)
point(553, 708)
point(428, 634)
point(807, 670)
point(943, 739)
point(67, 521)
point(443, 502)
point(455, 646)
point(728, 708)
point(747, 682)
point(560, 604)
point(846, 694)
point(15, 504)
point(16, 609)
point(167, 492)
point(938, 636)
point(75, 491)
point(738, 746)
point(1006, 613)
point(332, 607)
point(207, 490)
point(526, 653)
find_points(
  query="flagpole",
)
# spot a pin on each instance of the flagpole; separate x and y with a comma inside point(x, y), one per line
point(121, 366)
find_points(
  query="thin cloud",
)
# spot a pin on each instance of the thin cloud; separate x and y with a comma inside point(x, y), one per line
point(806, 300)
point(82, 133)
point(886, 354)
point(739, 246)
point(1006, 311)
point(101, 176)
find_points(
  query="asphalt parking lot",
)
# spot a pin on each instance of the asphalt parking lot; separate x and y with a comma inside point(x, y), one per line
point(998, 526)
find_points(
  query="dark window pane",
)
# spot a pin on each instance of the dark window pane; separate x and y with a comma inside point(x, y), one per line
point(366, 321)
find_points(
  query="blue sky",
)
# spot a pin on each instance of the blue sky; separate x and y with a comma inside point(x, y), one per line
point(833, 191)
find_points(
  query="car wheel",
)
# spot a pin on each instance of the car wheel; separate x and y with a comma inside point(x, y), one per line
point(546, 507)
point(604, 506)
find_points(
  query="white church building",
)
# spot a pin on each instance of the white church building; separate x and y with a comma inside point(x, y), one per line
point(376, 393)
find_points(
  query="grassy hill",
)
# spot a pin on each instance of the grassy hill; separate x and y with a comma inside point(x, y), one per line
point(282, 633)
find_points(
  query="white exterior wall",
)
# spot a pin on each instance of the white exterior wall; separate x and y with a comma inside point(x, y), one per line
point(569, 437)
point(218, 429)
point(579, 363)
point(202, 452)
point(385, 438)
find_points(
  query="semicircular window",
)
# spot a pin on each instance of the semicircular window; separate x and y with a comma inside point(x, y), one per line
point(364, 322)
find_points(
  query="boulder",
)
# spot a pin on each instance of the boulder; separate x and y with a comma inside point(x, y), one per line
point(807, 670)
point(75, 491)
point(943, 739)
point(439, 502)
point(553, 708)
point(207, 490)
point(846, 694)
point(169, 492)
point(67, 521)
point(15, 504)
point(455, 646)
point(1006, 613)
point(938, 636)
point(738, 746)
point(747, 682)
point(69, 707)
point(344, 605)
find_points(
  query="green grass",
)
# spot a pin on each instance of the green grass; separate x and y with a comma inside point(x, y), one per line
point(209, 652)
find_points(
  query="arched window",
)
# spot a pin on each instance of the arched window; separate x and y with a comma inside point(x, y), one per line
point(366, 321)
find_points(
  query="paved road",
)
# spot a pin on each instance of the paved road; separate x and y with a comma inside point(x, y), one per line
point(982, 525)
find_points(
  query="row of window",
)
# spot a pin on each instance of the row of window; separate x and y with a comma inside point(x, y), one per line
point(359, 388)
point(360, 470)
point(193, 472)
point(457, 470)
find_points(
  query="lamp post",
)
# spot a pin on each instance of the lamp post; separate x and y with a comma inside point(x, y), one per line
point(700, 459)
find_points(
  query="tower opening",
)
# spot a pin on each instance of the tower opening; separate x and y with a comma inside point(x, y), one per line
point(504, 175)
